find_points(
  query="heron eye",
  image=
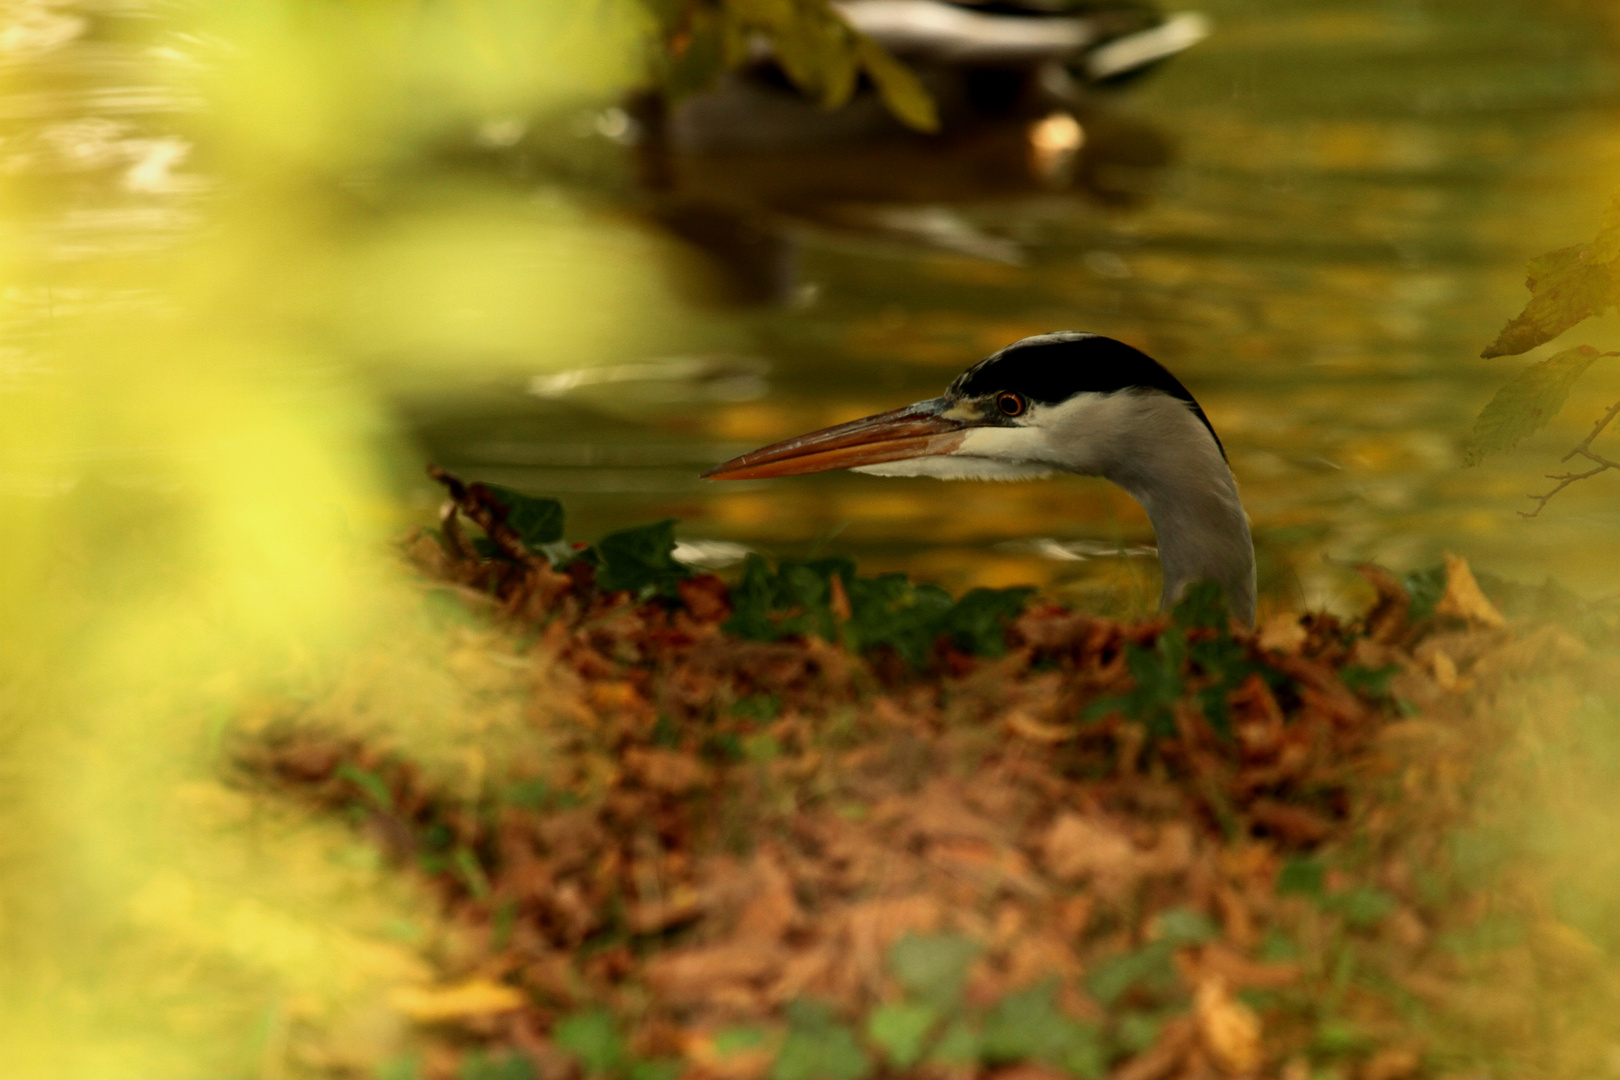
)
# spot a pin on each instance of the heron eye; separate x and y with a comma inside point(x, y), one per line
point(1011, 404)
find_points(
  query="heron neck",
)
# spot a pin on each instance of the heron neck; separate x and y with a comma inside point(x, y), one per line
point(1178, 474)
point(1203, 535)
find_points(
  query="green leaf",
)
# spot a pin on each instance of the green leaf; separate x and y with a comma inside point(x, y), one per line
point(1527, 403)
point(958, 1047)
point(1202, 605)
point(735, 1040)
point(1027, 1026)
point(370, 784)
point(593, 1038)
point(978, 622)
point(1138, 1031)
point(1363, 907)
point(700, 58)
point(641, 560)
point(402, 1067)
point(1151, 968)
point(933, 968)
point(1301, 876)
point(885, 611)
point(900, 89)
point(656, 1069)
point(819, 1047)
point(1368, 682)
point(1425, 587)
point(475, 1065)
point(1157, 673)
point(537, 521)
point(902, 1031)
point(761, 707)
point(889, 610)
point(1184, 926)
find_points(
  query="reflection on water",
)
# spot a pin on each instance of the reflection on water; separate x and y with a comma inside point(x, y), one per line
point(1356, 188)
point(1315, 217)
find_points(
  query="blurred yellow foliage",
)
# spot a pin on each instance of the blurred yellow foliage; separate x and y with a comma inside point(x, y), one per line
point(197, 471)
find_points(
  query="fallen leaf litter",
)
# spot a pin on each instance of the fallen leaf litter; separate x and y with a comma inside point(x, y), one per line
point(796, 859)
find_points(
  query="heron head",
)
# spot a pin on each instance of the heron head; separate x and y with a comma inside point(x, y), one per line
point(1054, 402)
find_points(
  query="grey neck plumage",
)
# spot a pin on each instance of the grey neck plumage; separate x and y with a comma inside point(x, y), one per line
point(1170, 463)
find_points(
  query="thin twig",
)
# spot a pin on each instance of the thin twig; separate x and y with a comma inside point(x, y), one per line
point(1582, 449)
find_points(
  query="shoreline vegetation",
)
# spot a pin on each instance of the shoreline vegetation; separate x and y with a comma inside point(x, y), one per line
point(810, 826)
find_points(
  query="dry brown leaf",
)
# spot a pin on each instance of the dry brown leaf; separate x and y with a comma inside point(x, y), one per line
point(1021, 723)
point(1387, 619)
point(1463, 598)
point(1178, 1038)
point(1282, 634)
point(665, 770)
point(459, 1001)
point(692, 976)
point(1076, 848)
point(1230, 1030)
point(1392, 1063)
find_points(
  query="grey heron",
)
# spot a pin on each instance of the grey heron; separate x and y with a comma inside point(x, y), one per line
point(1064, 402)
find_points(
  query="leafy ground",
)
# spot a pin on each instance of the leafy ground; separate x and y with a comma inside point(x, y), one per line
point(810, 826)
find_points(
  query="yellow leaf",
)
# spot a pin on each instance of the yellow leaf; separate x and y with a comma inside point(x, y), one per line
point(437, 1004)
point(1463, 598)
point(1527, 403)
point(901, 90)
point(1229, 1029)
point(1559, 299)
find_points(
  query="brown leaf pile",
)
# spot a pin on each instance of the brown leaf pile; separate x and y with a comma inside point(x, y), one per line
point(723, 828)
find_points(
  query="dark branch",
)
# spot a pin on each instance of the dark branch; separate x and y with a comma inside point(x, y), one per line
point(1582, 449)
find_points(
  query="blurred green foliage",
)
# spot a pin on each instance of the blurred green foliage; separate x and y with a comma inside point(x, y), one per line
point(814, 45)
point(1198, 645)
point(827, 599)
point(1567, 287)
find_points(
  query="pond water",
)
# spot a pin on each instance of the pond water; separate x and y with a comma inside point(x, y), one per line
point(1316, 218)
point(1353, 190)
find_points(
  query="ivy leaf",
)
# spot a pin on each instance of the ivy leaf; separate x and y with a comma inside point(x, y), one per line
point(890, 610)
point(902, 1031)
point(1363, 908)
point(1028, 1027)
point(641, 560)
point(819, 1047)
point(978, 622)
point(1151, 968)
point(538, 521)
point(933, 968)
point(1202, 605)
point(593, 1038)
point(1527, 404)
point(477, 1066)
point(802, 598)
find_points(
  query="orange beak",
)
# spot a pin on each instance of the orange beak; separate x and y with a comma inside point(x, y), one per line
point(914, 431)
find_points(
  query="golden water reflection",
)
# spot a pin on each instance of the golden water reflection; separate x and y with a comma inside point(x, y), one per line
point(1356, 189)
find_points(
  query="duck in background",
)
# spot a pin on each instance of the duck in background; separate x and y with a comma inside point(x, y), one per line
point(744, 170)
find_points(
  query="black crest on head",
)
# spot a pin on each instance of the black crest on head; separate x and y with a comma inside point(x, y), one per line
point(1054, 367)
